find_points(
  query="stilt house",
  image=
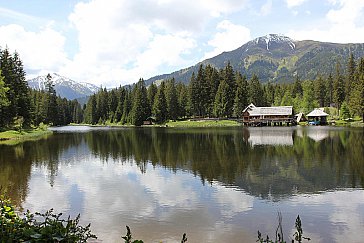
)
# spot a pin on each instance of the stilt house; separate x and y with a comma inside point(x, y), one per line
point(268, 116)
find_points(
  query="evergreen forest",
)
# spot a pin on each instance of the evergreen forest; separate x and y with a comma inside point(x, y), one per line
point(211, 93)
point(21, 106)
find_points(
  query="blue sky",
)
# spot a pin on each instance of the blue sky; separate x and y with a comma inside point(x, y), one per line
point(116, 42)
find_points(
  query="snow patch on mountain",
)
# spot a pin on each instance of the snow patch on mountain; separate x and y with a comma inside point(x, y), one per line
point(275, 38)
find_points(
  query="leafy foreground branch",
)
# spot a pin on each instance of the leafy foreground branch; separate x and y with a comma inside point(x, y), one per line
point(39, 227)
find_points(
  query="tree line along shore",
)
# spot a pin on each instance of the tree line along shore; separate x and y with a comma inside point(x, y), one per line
point(211, 93)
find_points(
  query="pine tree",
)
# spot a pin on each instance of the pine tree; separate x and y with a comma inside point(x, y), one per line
point(344, 111)
point(51, 110)
point(256, 94)
point(4, 102)
point(287, 98)
point(140, 108)
point(90, 111)
point(222, 100)
point(200, 93)
point(270, 88)
point(112, 104)
point(18, 93)
point(205, 90)
point(152, 91)
point(77, 115)
point(320, 91)
point(119, 108)
point(195, 96)
point(126, 107)
point(24, 108)
point(229, 79)
point(350, 76)
point(213, 80)
point(297, 88)
point(241, 95)
point(356, 96)
point(338, 87)
point(308, 101)
point(160, 105)
point(7, 67)
point(329, 90)
point(172, 100)
point(183, 100)
point(102, 106)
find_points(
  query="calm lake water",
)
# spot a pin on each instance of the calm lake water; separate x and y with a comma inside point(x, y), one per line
point(215, 184)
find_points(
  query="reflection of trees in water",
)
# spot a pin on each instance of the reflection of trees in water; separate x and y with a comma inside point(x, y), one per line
point(222, 154)
point(16, 162)
point(227, 155)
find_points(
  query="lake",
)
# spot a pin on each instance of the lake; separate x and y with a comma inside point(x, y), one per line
point(215, 184)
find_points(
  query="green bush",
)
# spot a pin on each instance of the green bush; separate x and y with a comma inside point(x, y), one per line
point(42, 126)
point(40, 227)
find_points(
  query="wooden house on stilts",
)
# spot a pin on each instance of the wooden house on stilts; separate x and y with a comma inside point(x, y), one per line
point(268, 116)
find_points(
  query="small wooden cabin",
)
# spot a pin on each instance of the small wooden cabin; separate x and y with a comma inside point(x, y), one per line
point(317, 117)
point(149, 121)
point(268, 116)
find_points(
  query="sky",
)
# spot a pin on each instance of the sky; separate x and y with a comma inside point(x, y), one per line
point(117, 42)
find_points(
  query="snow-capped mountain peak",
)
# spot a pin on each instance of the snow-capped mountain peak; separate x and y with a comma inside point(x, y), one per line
point(65, 87)
point(275, 38)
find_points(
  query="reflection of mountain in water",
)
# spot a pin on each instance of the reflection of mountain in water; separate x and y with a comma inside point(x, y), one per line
point(226, 155)
point(270, 136)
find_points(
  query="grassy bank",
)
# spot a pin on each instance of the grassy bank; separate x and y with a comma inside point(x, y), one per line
point(12, 137)
point(203, 123)
point(184, 123)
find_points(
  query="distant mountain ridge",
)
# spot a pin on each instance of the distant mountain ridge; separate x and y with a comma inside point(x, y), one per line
point(65, 87)
point(276, 58)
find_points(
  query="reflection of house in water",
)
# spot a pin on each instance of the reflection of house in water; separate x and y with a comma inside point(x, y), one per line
point(270, 136)
point(318, 134)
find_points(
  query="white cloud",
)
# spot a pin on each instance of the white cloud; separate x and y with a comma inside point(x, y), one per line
point(294, 3)
point(41, 51)
point(229, 38)
point(344, 25)
point(121, 41)
point(343, 214)
point(234, 201)
point(167, 49)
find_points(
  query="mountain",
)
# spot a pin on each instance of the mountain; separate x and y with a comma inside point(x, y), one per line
point(65, 87)
point(277, 58)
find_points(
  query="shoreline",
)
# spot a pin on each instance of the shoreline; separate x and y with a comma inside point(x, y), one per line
point(12, 137)
point(212, 123)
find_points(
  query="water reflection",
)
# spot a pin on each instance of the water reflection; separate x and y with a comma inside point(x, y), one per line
point(226, 183)
point(276, 136)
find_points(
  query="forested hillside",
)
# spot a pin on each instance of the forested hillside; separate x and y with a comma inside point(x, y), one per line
point(276, 58)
